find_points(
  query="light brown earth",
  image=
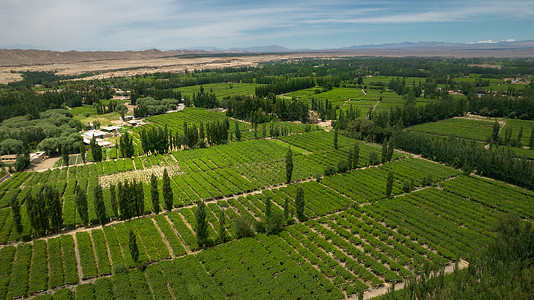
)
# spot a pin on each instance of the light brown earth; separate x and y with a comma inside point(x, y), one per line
point(106, 64)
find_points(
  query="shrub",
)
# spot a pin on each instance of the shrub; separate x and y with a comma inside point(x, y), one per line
point(342, 166)
point(329, 171)
point(243, 228)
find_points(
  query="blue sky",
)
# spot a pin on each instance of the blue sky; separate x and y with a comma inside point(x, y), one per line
point(176, 24)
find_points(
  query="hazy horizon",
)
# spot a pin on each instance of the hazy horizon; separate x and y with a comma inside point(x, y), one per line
point(65, 25)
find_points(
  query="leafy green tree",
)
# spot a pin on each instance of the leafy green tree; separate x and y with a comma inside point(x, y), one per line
point(139, 197)
point(22, 161)
point(520, 135)
point(390, 151)
point(299, 205)
point(113, 196)
point(531, 140)
point(15, 208)
point(289, 165)
point(122, 110)
point(100, 207)
point(507, 135)
point(373, 158)
point(389, 184)
point(342, 166)
point(81, 204)
point(54, 208)
point(201, 227)
point(167, 191)
point(134, 250)
point(274, 223)
point(154, 193)
point(96, 150)
point(222, 226)
point(243, 228)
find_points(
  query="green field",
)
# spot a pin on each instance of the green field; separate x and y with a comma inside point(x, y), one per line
point(479, 130)
point(221, 90)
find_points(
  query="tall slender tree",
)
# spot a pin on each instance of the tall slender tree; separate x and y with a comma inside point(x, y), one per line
point(81, 204)
point(65, 156)
point(299, 204)
point(201, 227)
point(113, 196)
point(96, 150)
point(384, 151)
point(289, 165)
point(82, 152)
point(100, 207)
point(154, 193)
point(54, 208)
point(350, 159)
point(15, 208)
point(531, 140)
point(167, 191)
point(134, 250)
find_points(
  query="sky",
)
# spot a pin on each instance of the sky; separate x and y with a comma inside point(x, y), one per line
point(298, 24)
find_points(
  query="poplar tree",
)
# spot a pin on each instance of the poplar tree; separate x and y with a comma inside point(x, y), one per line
point(299, 204)
point(134, 251)
point(65, 155)
point(167, 191)
point(54, 208)
point(350, 159)
point(154, 193)
point(289, 165)
point(201, 227)
point(100, 208)
point(531, 140)
point(114, 204)
point(96, 150)
point(15, 207)
point(82, 152)
point(81, 205)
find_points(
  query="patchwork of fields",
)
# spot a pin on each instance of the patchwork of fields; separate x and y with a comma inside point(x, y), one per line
point(355, 238)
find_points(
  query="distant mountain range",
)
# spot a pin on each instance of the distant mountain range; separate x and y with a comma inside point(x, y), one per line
point(18, 57)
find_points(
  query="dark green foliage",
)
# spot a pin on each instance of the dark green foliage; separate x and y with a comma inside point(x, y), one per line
point(15, 207)
point(127, 146)
point(201, 226)
point(22, 161)
point(154, 193)
point(237, 132)
point(384, 151)
point(100, 208)
point(495, 133)
point(329, 171)
point(407, 186)
point(427, 180)
point(268, 206)
point(289, 165)
point(82, 152)
point(167, 191)
point(131, 199)
point(531, 140)
point(81, 205)
point(113, 196)
point(139, 197)
point(299, 204)
point(54, 208)
point(65, 156)
point(389, 184)
point(520, 136)
point(350, 159)
point(44, 211)
point(342, 166)
point(390, 150)
point(243, 228)
point(373, 158)
point(156, 140)
point(222, 227)
point(134, 251)
point(96, 150)
point(274, 223)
